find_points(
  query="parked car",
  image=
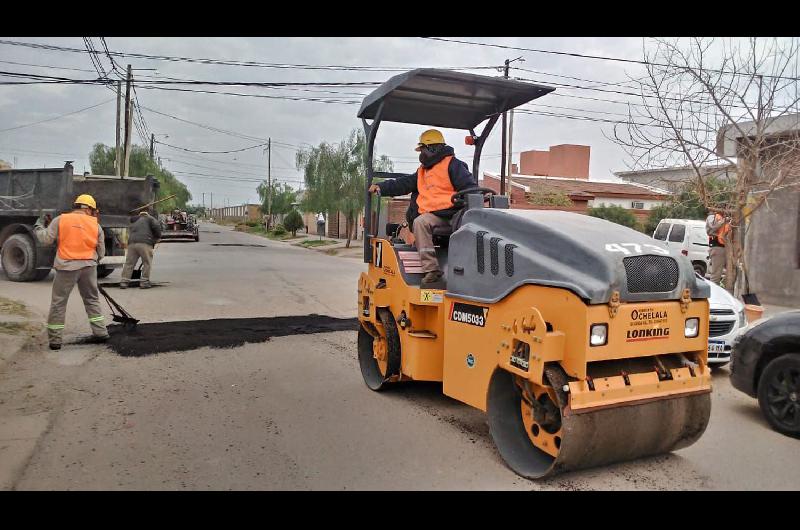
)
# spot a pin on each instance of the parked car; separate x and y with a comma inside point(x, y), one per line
point(688, 237)
point(726, 322)
point(766, 365)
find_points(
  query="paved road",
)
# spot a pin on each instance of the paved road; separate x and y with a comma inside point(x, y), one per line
point(291, 413)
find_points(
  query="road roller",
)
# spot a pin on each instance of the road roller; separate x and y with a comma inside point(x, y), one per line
point(585, 342)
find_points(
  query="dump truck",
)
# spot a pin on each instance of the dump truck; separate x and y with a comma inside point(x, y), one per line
point(26, 194)
point(584, 341)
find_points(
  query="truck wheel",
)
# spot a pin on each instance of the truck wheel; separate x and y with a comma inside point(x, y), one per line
point(779, 394)
point(19, 258)
point(103, 271)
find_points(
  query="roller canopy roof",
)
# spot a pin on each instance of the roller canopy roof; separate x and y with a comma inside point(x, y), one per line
point(443, 98)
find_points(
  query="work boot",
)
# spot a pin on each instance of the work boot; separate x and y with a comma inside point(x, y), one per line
point(54, 346)
point(432, 277)
point(123, 285)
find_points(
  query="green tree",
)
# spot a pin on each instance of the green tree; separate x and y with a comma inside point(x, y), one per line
point(283, 196)
point(293, 222)
point(688, 204)
point(615, 214)
point(335, 177)
point(102, 158)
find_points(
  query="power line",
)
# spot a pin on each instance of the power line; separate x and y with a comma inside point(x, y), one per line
point(211, 152)
point(57, 117)
point(603, 58)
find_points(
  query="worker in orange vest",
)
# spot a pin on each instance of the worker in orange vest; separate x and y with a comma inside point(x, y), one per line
point(439, 176)
point(80, 247)
point(718, 227)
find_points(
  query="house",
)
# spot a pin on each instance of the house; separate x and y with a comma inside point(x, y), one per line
point(674, 178)
point(524, 190)
point(772, 243)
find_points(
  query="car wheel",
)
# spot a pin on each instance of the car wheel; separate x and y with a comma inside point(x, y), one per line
point(779, 394)
point(699, 268)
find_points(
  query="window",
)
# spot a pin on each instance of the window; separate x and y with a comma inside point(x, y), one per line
point(678, 233)
point(637, 205)
point(661, 231)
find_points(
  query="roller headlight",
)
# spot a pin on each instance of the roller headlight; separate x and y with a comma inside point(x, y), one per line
point(598, 334)
point(692, 328)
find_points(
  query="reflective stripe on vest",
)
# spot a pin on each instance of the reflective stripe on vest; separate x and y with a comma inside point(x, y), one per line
point(434, 186)
point(77, 236)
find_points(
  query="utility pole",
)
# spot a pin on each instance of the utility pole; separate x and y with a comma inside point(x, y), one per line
point(128, 110)
point(510, 143)
point(212, 203)
point(204, 204)
point(269, 183)
point(503, 142)
point(505, 163)
point(118, 153)
point(152, 141)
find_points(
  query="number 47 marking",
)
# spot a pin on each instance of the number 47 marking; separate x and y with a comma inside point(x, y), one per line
point(637, 248)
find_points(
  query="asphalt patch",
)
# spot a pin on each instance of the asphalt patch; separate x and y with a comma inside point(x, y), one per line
point(160, 337)
point(235, 245)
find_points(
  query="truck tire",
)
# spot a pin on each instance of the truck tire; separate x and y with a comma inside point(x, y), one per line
point(103, 271)
point(19, 258)
point(700, 268)
point(41, 274)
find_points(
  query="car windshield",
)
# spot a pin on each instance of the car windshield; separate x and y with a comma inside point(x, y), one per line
point(661, 231)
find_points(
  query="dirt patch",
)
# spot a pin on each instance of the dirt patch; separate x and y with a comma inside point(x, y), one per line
point(159, 337)
point(235, 245)
point(15, 328)
point(12, 307)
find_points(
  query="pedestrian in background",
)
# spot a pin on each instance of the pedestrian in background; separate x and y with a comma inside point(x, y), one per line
point(718, 227)
point(143, 235)
point(80, 246)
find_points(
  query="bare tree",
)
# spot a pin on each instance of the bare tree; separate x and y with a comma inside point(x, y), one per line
point(707, 102)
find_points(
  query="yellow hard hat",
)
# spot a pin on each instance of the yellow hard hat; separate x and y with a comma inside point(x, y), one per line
point(430, 137)
point(87, 200)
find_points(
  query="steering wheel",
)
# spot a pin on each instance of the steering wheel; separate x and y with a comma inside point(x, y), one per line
point(458, 197)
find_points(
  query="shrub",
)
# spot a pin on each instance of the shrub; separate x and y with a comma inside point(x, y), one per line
point(293, 222)
point(279, 230)
point(615, 214)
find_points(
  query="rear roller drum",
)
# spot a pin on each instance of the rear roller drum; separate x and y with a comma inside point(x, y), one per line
point(537, 439)
point(379, 356)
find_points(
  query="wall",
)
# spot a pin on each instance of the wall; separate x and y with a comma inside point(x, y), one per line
point(773, 256)
point(569, 161)
point(534, 162)
point(244, 212)
point(565, 160)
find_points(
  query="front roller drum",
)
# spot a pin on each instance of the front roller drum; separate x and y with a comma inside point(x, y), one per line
point(379, 351)
point(535, 443)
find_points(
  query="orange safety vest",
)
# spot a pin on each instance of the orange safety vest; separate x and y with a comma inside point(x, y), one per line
point(434, 186)
point(77, 236)
point(722, 232)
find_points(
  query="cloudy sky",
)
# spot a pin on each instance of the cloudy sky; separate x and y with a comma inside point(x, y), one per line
point(232, 178)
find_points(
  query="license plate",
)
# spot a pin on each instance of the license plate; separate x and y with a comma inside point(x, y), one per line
point(716, 347)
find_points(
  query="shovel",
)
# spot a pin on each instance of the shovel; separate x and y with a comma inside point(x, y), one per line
point(124, 318)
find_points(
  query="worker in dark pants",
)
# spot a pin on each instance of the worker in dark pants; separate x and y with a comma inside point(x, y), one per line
point(143, 235)
point(439, 176)
point(718, 226)
point(80, 246)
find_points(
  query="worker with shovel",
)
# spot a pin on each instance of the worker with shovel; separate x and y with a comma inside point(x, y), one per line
point(80, 246)
point(142, 238)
